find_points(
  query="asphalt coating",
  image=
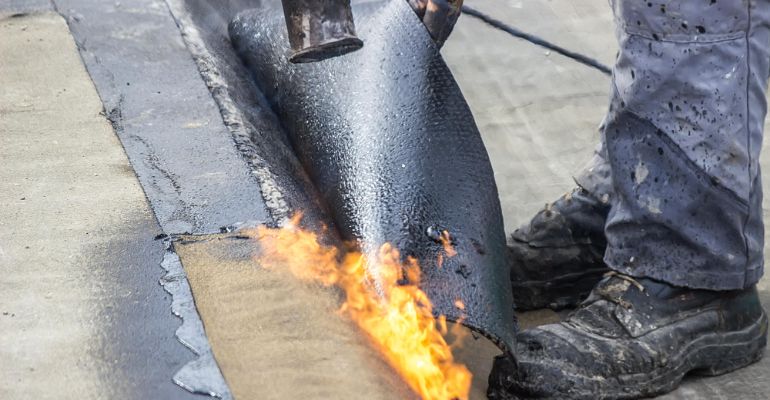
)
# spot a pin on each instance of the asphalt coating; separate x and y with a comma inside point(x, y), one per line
point(255, 129)
point(163, 113)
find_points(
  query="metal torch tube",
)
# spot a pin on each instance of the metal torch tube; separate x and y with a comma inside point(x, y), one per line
point(320, 29)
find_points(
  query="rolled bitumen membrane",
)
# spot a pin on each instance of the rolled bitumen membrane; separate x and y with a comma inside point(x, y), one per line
point(389, 142)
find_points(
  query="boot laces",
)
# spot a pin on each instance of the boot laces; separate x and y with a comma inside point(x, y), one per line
point(613, 292)
point(625, 277)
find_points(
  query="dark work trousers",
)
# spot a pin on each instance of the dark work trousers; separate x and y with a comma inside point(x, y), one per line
point(679, 158)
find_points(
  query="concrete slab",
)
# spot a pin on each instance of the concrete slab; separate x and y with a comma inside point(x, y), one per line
point(81, 311)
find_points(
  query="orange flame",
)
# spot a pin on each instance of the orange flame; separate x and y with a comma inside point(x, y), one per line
point(400, 323)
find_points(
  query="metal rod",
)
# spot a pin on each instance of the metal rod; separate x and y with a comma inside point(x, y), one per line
point(585, 60)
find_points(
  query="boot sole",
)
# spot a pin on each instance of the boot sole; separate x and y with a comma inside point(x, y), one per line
point(709, 355)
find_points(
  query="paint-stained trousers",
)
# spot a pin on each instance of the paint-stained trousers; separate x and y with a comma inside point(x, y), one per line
point(678, 163)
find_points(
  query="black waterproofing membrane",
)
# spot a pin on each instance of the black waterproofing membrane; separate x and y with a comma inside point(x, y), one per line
point(389, 141)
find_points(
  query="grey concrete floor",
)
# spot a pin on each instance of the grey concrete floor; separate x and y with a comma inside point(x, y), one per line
point(539, 114)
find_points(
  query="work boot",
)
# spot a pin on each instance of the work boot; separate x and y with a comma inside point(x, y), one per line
point(557, 257)
point(633, 338)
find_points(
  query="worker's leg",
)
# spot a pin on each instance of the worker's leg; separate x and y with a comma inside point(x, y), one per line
point(682, 139)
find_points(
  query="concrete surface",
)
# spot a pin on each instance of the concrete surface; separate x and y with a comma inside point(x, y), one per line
point(538, 112)
point(81, 313)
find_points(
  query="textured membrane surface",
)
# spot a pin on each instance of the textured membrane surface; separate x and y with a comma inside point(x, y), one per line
point(387, 138)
